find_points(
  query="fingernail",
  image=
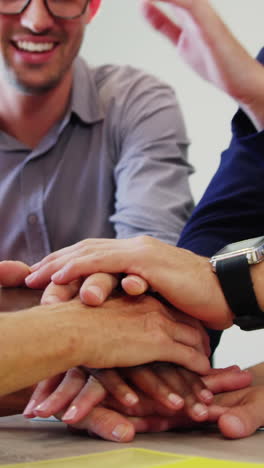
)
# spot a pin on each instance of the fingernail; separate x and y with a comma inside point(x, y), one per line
point(57, 276)
point(131, 399)
point(96, 291)
point(234, 367)
point(176, 400)
point(206, 395)
point(200, 410)
point(28, 409)
point(120, 431)
point(236, 424)
point(51, 300)
point(70, 414)
point(30, 278)
point(42, 407)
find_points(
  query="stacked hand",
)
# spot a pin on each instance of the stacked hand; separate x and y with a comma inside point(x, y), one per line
point(116, 404)
point(184, 279)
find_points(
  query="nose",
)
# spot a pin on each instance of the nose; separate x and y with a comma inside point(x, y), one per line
point(36, 17)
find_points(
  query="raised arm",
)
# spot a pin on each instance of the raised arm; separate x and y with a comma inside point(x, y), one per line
point(207, 45)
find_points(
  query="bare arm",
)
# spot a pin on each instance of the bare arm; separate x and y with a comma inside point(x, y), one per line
point(208, 46)
point(46, 340)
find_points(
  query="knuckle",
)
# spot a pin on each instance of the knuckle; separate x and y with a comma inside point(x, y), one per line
point(154, 321)
point(75, 373)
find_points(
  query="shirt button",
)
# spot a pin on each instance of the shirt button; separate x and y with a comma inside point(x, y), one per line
point(32, 219)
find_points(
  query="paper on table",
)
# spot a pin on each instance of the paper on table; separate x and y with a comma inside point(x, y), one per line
point(134, 458)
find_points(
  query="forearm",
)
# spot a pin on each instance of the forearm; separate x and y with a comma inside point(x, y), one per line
point(41, 341)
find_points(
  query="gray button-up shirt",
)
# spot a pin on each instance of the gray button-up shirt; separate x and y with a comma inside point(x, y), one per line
point(114, 166)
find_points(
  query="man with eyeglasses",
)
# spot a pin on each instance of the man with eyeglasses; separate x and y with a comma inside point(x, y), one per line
point(231, 210)
point(84, 152)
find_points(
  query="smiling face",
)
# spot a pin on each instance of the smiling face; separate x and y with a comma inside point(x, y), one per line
point(36, 49)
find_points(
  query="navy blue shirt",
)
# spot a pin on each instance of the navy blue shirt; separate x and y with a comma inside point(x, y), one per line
point(232, 208)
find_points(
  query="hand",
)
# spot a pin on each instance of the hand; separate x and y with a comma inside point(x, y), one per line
point(171, 388)
point(160, 381)
point(206, 44)
point(94, 290)
point(244, 414)
point(143, 324)
point(147, 415)
point(239, 415)
point(183, 278)
point(145, 330)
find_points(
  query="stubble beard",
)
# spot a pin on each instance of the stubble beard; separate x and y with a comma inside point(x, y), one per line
point(15, 80)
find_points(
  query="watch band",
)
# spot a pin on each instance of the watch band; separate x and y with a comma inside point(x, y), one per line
point(235, 279)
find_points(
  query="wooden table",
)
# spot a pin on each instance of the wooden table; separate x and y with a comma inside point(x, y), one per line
point(22, 440)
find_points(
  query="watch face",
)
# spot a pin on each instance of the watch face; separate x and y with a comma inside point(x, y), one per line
point(252, 249)
point(246, 244)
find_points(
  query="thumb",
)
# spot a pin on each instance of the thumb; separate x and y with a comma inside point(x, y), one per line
point(243, 420)
point(13, 273)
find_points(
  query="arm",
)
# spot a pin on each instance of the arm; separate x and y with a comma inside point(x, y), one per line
point(47, 340)
point(206, 44)
point(231, 208)
point(151, 169)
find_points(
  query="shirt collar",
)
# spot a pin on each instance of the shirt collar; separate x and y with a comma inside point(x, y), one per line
point(85, 101)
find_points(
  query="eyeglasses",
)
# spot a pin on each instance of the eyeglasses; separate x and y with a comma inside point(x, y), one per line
point(65, 9)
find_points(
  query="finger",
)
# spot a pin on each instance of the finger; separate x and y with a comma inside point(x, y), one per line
point(60, 293)
point(227, 380)
point(66, 391)
point(182, 354)
point(90, 396)
point(41, 392)
point(203, 340)
point(13, 273)
point(196, 396)
point(161, 22)
point(71, 250)
point(190, 387)
point(41, 277)
point(107, 424)
point(97, 288)
point(152, 385)
point(42, 271)
point(85, 261)
point(116, 386)
point(134, 285)
point(185, 382)
point(242, 421)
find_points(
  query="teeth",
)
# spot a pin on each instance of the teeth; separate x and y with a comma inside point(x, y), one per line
point(35, 46)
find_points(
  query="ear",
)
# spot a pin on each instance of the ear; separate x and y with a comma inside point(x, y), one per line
point(93, 7)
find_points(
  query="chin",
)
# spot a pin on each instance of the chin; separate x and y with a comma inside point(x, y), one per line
point(35, 88)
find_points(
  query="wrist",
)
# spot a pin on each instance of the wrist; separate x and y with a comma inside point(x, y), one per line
point(257, 275)
point(225, 316)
